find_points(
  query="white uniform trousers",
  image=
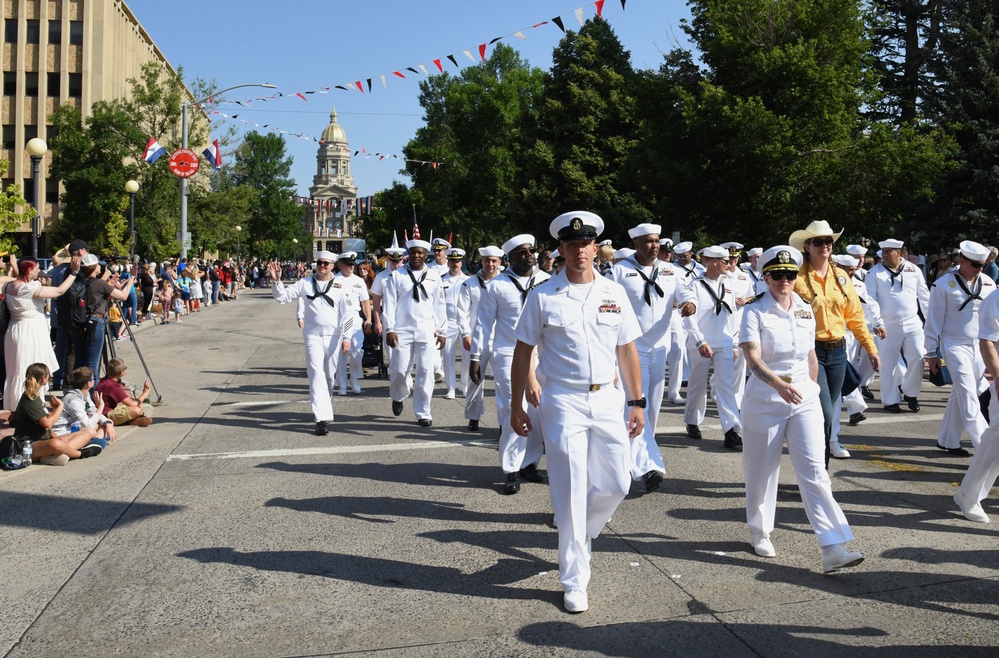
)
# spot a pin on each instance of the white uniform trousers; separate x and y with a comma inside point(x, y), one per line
point(645, 453)
point(893, 374)
point(772, 423)
point(967, 370)
point(589, 467)
point(697, 388)
point(423, 352)
point(515, 451)
point(475, 394)
point(676, 357)
point(353, 359)
point(451, 345)
point(854, 402)
point(321, 356)
point(984, 468)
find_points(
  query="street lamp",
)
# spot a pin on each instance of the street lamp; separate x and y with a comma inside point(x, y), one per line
point(294, 241)
point(239, 231)
point(36, 149)
point(131, 187)
point(183, 143)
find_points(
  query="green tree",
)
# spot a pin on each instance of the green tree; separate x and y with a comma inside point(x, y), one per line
point(14, 210)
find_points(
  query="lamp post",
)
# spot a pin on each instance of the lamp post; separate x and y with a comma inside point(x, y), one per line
point(294, 258)
point(183, 143)
point(36, 149)
point(239, 231)
point(131, 187)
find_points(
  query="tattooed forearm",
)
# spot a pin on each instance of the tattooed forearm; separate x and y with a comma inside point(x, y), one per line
point(755, 363)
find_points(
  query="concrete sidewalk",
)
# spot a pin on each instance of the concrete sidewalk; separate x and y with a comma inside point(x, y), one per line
point(228, 529)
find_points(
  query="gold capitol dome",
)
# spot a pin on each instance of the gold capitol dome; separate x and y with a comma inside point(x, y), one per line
point(334, 132)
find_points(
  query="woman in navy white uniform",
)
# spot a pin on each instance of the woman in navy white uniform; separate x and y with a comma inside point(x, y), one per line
point(778, 339)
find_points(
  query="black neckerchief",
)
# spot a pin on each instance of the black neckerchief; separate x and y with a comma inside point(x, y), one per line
point(523, 291)
point(482, 283)
point(691, 270)
point(650, 283)
point(321, 293)
point(719, 300)
point(892, 273)
point(972, 295)
point(418, 285)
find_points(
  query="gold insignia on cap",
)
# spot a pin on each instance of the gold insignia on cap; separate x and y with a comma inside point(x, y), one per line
point(576, 224)
point(784, 257)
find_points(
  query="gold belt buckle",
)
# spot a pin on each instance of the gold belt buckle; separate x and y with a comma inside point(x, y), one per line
point(786, 379)
point(594, 387)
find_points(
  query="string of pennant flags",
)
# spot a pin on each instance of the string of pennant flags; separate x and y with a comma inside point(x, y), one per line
point(481, 49)
point(324, 208)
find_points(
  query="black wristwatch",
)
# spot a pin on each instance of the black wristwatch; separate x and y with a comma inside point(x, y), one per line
point(640, 403)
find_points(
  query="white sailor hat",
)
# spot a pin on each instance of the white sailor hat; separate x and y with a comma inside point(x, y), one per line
point(606, 243)
point(418, 244)
point(491, 250)
point(891, 244)
point(781, 257)
point(734, 248)
point(857, 250)
point(714, 251)
point(755, 251)
point(576, 225)
point(326, 255)
point(974, 251)
point(644, 229)
point(516, 241)
point(624, 252)
point(556, 255)
point(846, 260)
point(682, 247)
point(440, 243)
point(455, 254)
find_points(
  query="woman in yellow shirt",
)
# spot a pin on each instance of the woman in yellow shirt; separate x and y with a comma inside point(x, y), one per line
point(836, 307)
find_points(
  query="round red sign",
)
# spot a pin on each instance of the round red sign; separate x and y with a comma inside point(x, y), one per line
point(184, 163)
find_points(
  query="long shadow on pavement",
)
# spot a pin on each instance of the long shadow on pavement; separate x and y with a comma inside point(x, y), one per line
point(76, 515)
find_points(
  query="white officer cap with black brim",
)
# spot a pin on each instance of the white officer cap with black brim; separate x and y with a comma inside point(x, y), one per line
point(455, 253)
point(644, 229)
point(973, 251)
point(576, 225)
point(517, 241)
point(491, 250)
point(666, 243)
point(734, 248)
point(440, 243)
point(348, 258)
point(682, 247)
point(714, 251)
point(780, 258)
point(891, 244)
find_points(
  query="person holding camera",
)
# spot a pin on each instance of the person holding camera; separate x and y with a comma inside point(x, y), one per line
point(88, 341)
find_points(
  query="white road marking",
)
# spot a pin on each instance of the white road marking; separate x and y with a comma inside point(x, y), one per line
point(267, 403)
point(331, 450)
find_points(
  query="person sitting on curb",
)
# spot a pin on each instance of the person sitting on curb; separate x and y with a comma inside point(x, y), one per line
point(79, 408)
point(125, 409)
point(33, 422)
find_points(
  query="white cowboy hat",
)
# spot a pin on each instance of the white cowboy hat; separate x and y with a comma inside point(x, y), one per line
point(817, 229)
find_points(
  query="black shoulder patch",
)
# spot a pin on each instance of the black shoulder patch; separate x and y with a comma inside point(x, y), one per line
point(756, 298)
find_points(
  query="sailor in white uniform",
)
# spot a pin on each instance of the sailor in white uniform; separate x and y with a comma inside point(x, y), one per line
point(329, 316)
point(468, 308)
point(584, 329)
point(654, 289)
point(452, 282)
point(750, 268)
point(952, 327)
point(358, 287)
point(415, 320)
point(678, 359)
point(394, 258)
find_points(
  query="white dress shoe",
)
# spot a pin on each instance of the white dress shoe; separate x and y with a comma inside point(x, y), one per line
point(838, 451)
point(343, 390)
point(762, 546)
point(449, 395)
point(836, 557)
point(575, 601)
point(356, 387)
point(972, 510)
point(677, 400)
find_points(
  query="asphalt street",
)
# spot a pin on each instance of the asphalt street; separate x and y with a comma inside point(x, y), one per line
point(228, 528)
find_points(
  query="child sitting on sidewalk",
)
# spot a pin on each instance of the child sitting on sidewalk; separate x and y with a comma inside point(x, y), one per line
point(78, 407)
point(33, 422)
point(125, 409)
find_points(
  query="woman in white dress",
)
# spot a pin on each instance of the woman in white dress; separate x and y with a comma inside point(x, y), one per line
point(27, 339)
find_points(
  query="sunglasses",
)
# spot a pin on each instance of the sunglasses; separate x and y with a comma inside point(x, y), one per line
point(781, 275)
point(323, 263)
point(821, 242)
point(977, 264)
point(521, 252)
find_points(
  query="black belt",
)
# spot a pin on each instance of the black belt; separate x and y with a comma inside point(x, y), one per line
point(830, 345)
point(98, 315)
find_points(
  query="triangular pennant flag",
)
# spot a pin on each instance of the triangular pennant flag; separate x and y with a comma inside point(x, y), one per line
point(520, 35)
point(424, 69)
point(340, 87)
point(495, 40)
point(453, 61)
point(369, 84)
point(482, 51)
point(579, 16)
point(434, 165)
point(558, 21)
point(437, 63)
point(410, 68)
point(468, 55)
point(622, 3)
point(359, 87)
point(399, 74)
point(537, 25)
point(384, 85)
point(302, 96)
point(600, 7)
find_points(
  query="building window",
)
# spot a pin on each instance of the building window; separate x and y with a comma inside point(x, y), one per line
point(33, 33)
point(51, 132)
point(28, 191)
point(9, 83)
point(51, 190)
point(30, 84)
point(8, 136)
point(76, 33)
point(30, 132)
point(75, 85)
point(10, 30)
point(55, 32)
point(54, 85)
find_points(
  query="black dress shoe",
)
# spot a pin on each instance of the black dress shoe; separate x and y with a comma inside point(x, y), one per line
point(512, 485)
point(912, 402)
point(321, 429)
point(652, 480)
point(857, 418)
point(396, 407)
point(424, 422)
point(532, 474)
point(733, 441)
point(693, 431)
point(957, 452)
point(893, 408)
point(866, 392)
point(473, 426)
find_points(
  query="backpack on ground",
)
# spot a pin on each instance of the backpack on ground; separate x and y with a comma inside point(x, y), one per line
point(10, 454)
point(72, 305)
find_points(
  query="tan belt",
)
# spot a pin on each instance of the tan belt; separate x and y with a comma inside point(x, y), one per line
point(787, 379)
point(597, 387)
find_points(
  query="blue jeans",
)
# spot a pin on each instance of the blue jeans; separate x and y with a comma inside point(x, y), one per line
point(832, 370)
point(89, 345)
point(215, 292)
point(131, 306)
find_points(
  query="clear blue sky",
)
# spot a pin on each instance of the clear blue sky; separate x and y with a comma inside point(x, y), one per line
point(300, 45)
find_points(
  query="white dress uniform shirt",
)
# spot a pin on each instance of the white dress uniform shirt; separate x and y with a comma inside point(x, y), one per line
point(452, 291)
point(901, 296)
point(952, 327)
point(357, 287)
point(469, 294)
point(785, 339)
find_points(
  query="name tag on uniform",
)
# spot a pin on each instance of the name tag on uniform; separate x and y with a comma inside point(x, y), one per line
point(609, 307)
point(803, 314)
point(631, 274)
point(666, 272)
point(337, 285)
